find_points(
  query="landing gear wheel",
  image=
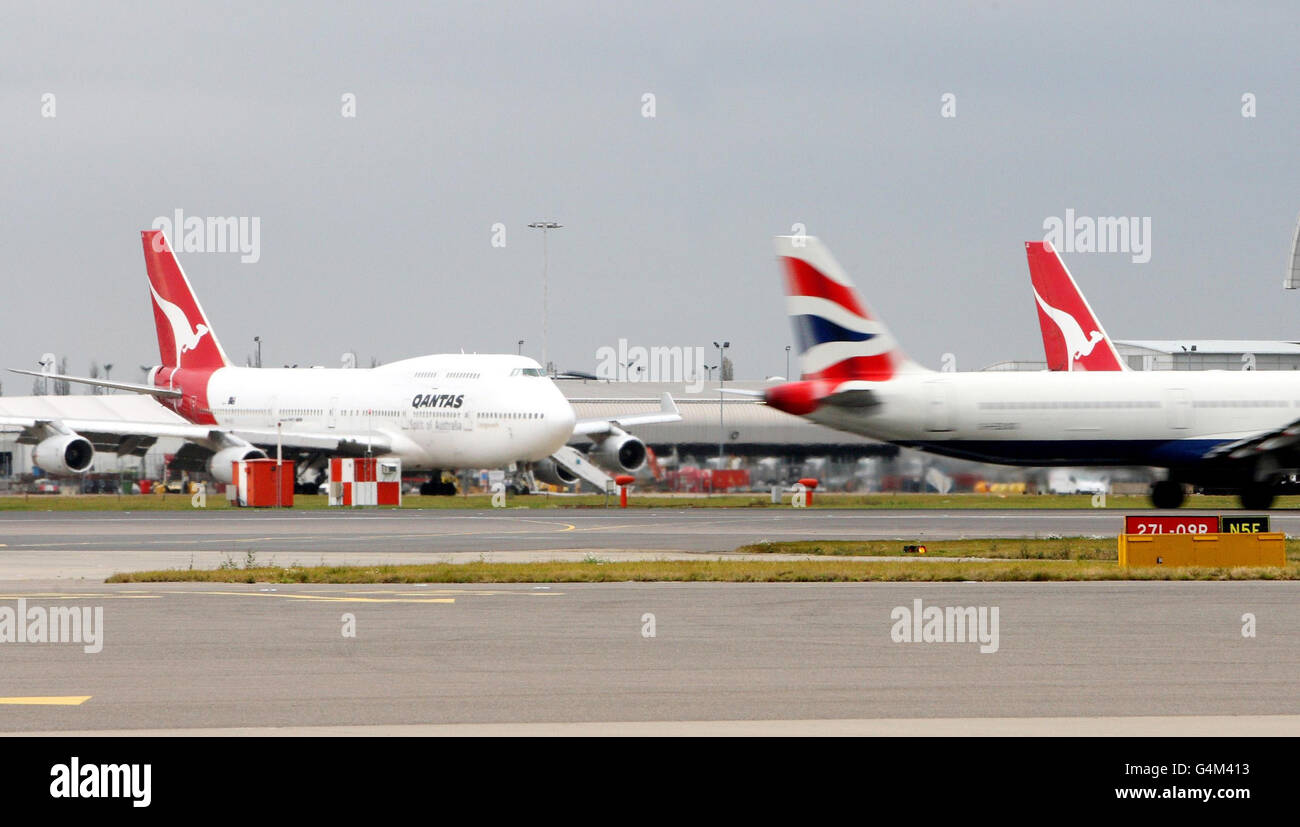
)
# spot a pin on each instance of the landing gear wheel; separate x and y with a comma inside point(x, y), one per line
point(438, 489)
point(1257, 497)
point(1167, 494)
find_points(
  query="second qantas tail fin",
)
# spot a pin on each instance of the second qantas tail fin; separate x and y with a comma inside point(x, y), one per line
point(185, 336)
point(1073, 338)
point(838, 336)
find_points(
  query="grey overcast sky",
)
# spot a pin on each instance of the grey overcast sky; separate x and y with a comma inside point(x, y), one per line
point(376, 231)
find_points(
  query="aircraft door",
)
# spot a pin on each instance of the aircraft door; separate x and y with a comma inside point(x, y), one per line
point(938, 407)
point(1178, 408)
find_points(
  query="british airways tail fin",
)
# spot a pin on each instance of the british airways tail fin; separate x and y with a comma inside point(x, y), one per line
point(185, 336)
point(1073, 338)
point(838, 336)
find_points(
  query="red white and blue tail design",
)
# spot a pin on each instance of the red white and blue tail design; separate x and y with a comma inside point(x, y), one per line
point(838, 337)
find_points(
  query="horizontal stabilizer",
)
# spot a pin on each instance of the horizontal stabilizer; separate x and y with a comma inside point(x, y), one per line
point(105, 383)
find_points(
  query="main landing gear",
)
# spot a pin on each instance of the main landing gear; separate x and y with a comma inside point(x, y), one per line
point(1167, 494)
point(1257, 496)
point(435, 487)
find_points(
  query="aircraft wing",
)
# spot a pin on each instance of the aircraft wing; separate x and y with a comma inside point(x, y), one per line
point(1268, 442)
point(667, 413)
point(128, 437)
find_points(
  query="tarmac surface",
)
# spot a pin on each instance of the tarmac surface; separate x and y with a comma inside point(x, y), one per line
point(43, 545)
point(1123, 658)
point(588, 659)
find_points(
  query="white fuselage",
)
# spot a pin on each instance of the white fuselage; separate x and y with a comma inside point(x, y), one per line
point(1161, 418)
point(443, 411)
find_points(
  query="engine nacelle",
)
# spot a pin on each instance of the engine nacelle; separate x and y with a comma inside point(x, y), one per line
point(550, 471)
point(619, 451)
point(64, 454)
point(219, 465)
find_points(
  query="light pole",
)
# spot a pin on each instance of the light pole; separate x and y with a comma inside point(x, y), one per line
point(545, 227)
point(722, 380)
point(787, 363)
point(521, 347)
point(108, 374)
point(257, 340)
point(279, 456)
point(47, 366)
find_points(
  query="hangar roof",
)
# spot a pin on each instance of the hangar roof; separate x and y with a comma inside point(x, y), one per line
point(1173, 346)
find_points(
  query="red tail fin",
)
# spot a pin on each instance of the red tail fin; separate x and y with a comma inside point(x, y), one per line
point(185, 337)
point(1072, 336)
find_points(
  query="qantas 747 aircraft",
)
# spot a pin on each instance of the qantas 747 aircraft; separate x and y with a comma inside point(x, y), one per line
point(1222, 429)
point(438, 412)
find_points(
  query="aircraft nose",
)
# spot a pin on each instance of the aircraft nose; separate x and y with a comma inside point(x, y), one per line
point(561, 413)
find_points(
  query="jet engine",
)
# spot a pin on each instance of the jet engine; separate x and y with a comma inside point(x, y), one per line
point(551, 472)
point(64, 454)
point(219, 466)
point(619, 450)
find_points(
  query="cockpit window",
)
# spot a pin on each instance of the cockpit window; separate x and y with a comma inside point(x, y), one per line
point(527, 372)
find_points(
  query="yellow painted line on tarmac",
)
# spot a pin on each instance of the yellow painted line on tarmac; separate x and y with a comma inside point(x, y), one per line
point(465, 592)
point(329, 598)
point(76, 595)
point(49, 700)
point(619, 527)
point(567, 526)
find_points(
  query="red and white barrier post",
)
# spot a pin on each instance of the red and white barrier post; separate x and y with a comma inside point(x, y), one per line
point(810, 484)
point(623, 480)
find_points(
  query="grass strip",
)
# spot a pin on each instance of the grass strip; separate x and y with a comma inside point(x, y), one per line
point(594, 570)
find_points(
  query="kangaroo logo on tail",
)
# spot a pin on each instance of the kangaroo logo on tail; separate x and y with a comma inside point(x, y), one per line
point(184, 338)
point(1073, 336)
point(1077, 345)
